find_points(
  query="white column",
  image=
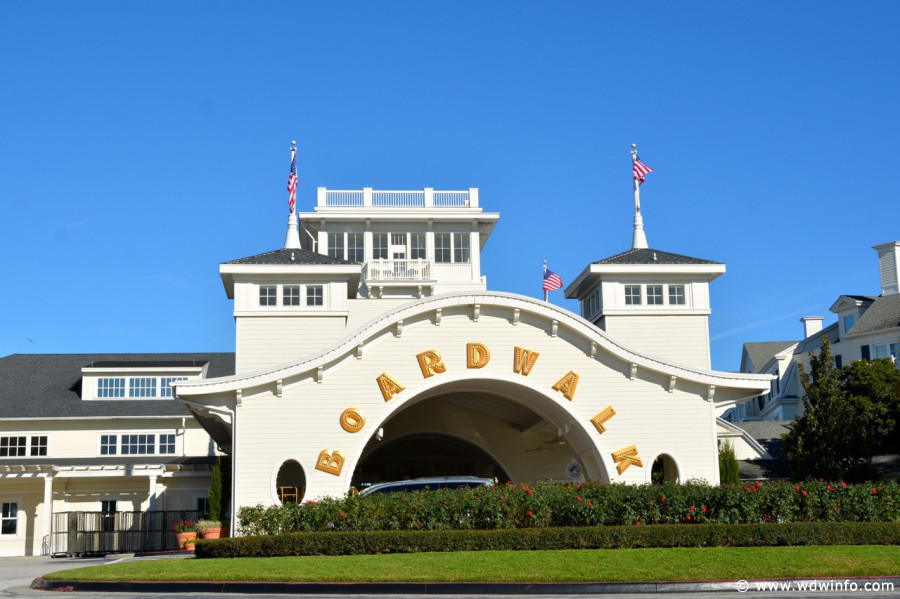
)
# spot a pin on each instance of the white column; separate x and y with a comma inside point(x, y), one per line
point(321, 195)
point(47, 524)
point(429, 197)
point(367, 196)
point(475, 253)
point(152, 502)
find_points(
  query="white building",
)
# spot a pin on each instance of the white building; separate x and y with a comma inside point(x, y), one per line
point(368, 348)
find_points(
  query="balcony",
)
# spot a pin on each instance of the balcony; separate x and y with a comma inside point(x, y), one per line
point(398, 271)
point(374, 198)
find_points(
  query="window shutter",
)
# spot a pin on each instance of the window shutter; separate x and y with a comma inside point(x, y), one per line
point(865, 352)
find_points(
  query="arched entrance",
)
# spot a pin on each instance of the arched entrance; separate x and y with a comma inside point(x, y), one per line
point(486, 427)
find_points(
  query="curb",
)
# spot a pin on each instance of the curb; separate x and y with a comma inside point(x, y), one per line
point(432, 588)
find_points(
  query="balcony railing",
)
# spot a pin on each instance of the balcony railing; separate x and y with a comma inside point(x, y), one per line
point(368, 197)
point(392, 271)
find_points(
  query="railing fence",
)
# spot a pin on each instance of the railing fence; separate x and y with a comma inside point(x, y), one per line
point(79, 533)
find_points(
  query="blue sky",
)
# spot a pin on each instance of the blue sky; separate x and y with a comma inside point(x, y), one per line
point(142, 144)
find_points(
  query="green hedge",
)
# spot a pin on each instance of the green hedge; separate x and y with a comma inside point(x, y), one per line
point(584, 537)
point(589, 504)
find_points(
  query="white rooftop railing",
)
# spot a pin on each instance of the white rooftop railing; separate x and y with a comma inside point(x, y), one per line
point(368, 197)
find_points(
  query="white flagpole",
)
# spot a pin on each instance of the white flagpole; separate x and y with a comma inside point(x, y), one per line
point(542, 281)
point(292, 239)
point(639, 239)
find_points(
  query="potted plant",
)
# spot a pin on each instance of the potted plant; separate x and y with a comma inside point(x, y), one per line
point(186, 533)
point(210, 529)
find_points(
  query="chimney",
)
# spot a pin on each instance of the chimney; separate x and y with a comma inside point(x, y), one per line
point(811, 325)
point(889, 266)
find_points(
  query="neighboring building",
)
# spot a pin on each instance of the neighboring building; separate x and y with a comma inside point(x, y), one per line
point(371, 350)
point(98, 433)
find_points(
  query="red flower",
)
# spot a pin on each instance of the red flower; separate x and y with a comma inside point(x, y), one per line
point(703, 509)
point(529, 491)
point(758, 484)
point(343, 515)
point(834, 508)
point(843, 484)
point(755, 490)
point(688, 517)
point(828, 487)
point(530, 514)
point(663, 499)
point(747, 489)
point(638, 523)
point(874, 491)
point(691, 508)
point(804, 493)
point(578, 499)
point(797, 488)
point(577, 486)
point(590, 504)
point(821, 480)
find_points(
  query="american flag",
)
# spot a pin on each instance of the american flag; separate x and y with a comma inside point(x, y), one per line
point(292, 183)
point(552, 282)
point(640, 169)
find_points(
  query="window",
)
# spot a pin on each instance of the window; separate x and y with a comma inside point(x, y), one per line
point(849, 321)
point(138, 444)
point(633, 295)
point(838, 362)
point(654, 295)
point(11, 447)
point(38, 445)
point(142, 387)
point(460, 247)
point(268, 295)
point(109, 444)
point(591, 304)
point(108, 510)
point(167, 444)
point(417, 246)
point(315, 295)
point(203, 508)
point(886, 350)
point(379, 246)
point(676, 295)
point(442, 250)
point(864, 350)
point(165, 384)
point(356, 251)
point(336, 245)
point(9, 518)
point(290, 295)
point(111, 387)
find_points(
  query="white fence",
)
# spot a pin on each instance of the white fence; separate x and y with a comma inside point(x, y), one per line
point(426, 198)
point(398, 270)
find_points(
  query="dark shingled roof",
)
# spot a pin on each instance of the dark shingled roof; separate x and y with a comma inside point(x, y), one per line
point(883, 314)
point(148, 364)
point(646, 256)
point(759, 353)
point(763, 470)
point(283, 256)
point(768, 434)
point(49, 385)
point(814, 342)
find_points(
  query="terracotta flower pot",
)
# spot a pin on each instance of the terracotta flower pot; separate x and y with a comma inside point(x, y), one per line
point(212, 533)
point(186, 540)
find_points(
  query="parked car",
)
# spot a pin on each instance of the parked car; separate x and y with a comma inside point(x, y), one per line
point(430, 483)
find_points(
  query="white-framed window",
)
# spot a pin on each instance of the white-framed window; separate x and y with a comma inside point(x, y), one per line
point(167, 444)
point(336, 245)
point(417, 246)
point(886, 350)
point(142, 387)
point(111, 387)
point(654, 295)
point(268, 295)
point(290, 295)
point(379, 246)
point(38, 446)
point(109, 444)
point(461, 247)
point(13, 446)
point(315, 295)
point(676, 295)
point(356, 250)
point(141, 444)
point(165, 384)
point(9, 518)
point(633, 295)
point(591, 304)
point(849, 321)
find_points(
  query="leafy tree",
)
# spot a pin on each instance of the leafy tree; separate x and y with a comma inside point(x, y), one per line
point(847, 418)
point(728, 464)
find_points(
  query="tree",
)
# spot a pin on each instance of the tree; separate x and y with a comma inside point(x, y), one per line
point(847, 418)
point(729, 470)
point(219, 488)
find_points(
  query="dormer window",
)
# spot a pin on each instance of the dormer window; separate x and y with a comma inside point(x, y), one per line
point(451, 247)
point(142, 387)
point(849, 321)
point(633, 295)
point(291, 295)
point(676, 295)
point(315, 295)
point(111, 387)
point(654, 295)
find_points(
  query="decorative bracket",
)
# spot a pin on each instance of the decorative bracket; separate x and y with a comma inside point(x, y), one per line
point(476, 312)
point(438, 312)
point(320, 373)
point(710, 393)
point(672, 380)
point(359, 351)
point(593, 349)
point(554, 328)
point(399, 328)
point(279, 387)
point(239, 397)
point(633, 374)
point(517, 314)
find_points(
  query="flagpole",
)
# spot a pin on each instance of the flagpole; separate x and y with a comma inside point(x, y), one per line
point(292, 239)
point(639, 239)
point(542, 278)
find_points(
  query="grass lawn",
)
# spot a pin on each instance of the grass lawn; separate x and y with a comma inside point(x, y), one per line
point(603, 565)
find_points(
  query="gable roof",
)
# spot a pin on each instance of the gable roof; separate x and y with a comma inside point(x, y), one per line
point(759, 353)
point(883, 314)
point(814, 342)
point(651, 256)
point(49, 385)
point(288, 256)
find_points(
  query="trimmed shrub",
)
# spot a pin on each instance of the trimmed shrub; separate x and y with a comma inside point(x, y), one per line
point(729, 470)
point(587, 504)
point(584, 537)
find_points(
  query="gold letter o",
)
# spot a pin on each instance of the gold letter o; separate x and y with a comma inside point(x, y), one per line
point(352, 420)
